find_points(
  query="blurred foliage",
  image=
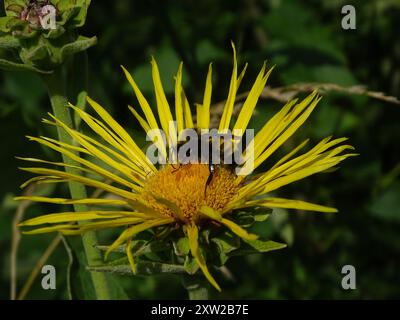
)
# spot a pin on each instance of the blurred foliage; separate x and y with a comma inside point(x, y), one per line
point(305, 41)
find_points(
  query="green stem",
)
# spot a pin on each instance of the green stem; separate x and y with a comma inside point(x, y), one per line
point(55, 86)
point(196, 287)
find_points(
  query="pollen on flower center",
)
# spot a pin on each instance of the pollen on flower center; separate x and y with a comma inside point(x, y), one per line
point(183, 189)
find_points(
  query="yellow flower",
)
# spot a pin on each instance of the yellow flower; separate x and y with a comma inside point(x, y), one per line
point(153, 196)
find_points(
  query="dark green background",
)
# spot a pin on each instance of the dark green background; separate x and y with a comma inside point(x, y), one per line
point(305, 41)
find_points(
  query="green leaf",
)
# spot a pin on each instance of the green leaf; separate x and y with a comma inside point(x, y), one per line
point(82, 44)
point(191, 266)
point(265, 246)
point(181, 247)
point(287, 234)
point(244, 219)
point(35, 53)
point(55, 33)
point(9, 42)
point(257, 246)
point(142, 268)
point(262, 215)
point(248, 218)
point(4, 24)
point(79, 18)
point(387, 205)
point(226, 242)
point(14, 6)
point(16, 24)
point(81, 285)
point(12, 66)
point(68, 14)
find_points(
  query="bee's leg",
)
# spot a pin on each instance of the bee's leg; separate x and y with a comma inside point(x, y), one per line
point(175, 168)
point(207, 184)
point(209, 179)
point(215, 223)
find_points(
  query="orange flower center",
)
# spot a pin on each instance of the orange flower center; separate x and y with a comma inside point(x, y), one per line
point(181, 191)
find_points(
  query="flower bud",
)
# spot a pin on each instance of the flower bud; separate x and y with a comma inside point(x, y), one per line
point(39, 35)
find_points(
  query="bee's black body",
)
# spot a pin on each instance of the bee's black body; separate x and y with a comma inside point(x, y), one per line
point(200, 158)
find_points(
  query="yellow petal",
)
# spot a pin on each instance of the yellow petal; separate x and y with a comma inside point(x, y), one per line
point(131, 231)
point(79, 216)
point(163, 108)
point(42, 180)
point(313, 161)
point(128, 250)
point(87, 201)
point(93, 167)
point(146, 127)
point(230, 101)
point(300, 174)
point(58, 228)
point(291, 154)
point(241, 75)
point(289, 204)
point(117, 128)
point(74, 229)
point(203, 111)
point(62, 144)
point(193, 236)
point(238, 230)
point(157, 139)
point(142, 101)
point(84, 180)
point(178, 100)
point(124, 164)
point(211, 213)
point(252, 99)
point(187, 112)
point(286, 134)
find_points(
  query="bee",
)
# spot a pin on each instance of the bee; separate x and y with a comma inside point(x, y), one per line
point(217, 150)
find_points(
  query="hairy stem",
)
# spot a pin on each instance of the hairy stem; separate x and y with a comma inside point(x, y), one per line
point(55, 86)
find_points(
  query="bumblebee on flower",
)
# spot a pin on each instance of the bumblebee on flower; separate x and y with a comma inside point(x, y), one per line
point(190, 200)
